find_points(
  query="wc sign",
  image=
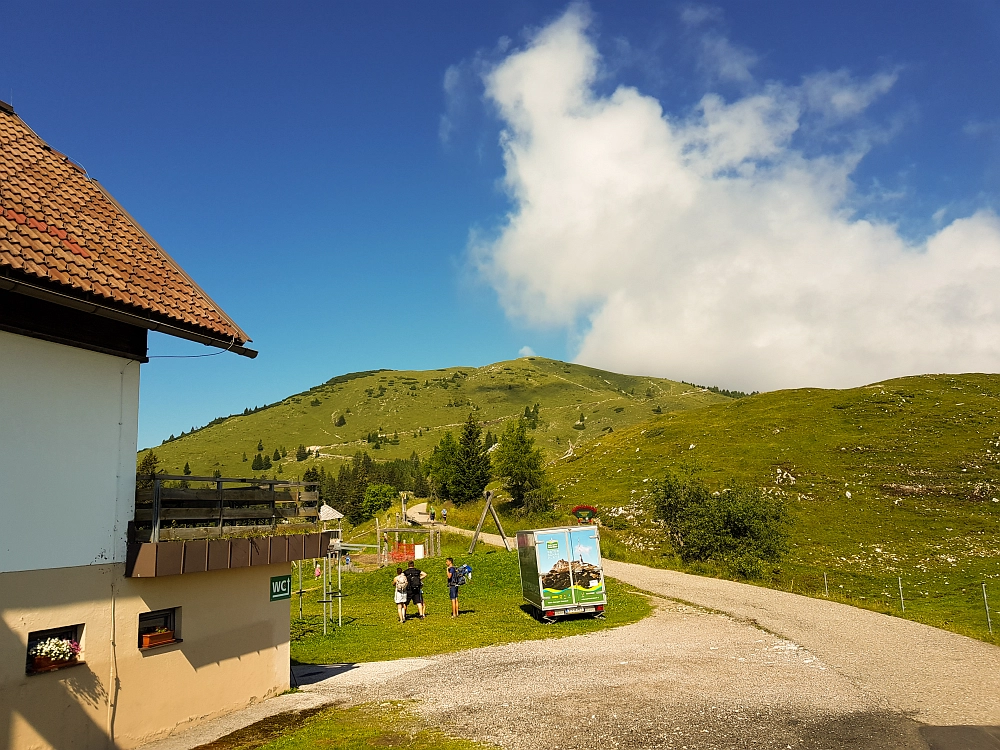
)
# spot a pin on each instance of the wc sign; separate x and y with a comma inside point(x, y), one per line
point(281, 588)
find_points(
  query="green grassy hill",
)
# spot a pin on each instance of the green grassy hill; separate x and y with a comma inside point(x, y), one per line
point(417, 407)
point(896, 479)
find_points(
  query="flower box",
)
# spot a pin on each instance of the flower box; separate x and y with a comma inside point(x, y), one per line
point(157, 639)
point(46, 664)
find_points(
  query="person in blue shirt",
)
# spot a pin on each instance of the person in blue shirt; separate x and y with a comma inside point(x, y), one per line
point(452, 586)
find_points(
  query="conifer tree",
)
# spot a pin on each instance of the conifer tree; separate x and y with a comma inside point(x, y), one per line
point(441, 466)
point(518, 462)
point(260, 445)
point(244, 456)
point(258, 463)
point(301, 454)
point(145, 470)
point(266, 464)
point(187, 469)
point(472, 464)
point(276, 456)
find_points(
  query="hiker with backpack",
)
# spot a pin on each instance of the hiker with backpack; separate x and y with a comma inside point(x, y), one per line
point(456, 577)
point(401, 585)
point(452, 572)
point(415, 587)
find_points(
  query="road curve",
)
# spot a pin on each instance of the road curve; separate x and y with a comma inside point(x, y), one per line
point(935, 676)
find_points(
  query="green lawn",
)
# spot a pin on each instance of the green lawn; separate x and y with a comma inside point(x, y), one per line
point(491, 613)
point(364, 727)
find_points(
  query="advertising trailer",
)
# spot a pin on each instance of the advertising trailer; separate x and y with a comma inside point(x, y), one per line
point(561, 571)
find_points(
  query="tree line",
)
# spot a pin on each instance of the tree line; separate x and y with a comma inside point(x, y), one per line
point(346, 489)
point(459, 470)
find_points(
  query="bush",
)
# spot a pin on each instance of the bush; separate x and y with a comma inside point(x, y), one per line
point(377, 497)
point(739, 528)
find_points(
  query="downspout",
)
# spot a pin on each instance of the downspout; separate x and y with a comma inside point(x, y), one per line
point(113, 681)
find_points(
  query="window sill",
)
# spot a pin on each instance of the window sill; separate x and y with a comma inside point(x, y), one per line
point(174, 642)
point(54, 668)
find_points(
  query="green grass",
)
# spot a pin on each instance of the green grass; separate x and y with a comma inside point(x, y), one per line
point(491, 613)
point(419, 406)
point(919, 456)
point(363, 727)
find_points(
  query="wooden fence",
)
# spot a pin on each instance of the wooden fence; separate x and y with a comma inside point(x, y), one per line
point(187, 507)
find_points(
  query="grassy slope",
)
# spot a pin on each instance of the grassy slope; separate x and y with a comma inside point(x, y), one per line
point(919, 457)
point(417, 399)
point(363, 727)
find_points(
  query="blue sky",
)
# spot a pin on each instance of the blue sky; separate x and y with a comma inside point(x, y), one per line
point(294, 159)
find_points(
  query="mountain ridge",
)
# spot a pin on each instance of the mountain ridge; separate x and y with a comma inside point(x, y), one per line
point(392, 413)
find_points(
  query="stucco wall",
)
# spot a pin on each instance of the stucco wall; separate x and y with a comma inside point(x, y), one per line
point(68, 424)
point(235, 652)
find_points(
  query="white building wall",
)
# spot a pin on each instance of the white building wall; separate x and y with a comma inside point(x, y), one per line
point(68, 428)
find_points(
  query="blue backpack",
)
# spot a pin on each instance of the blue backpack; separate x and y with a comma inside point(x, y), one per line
point(463, 574)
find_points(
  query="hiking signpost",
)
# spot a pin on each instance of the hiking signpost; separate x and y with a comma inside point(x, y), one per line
point(479, 526)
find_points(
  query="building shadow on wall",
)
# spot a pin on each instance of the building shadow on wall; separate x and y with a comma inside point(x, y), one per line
point(62, 712)
point(248, 639)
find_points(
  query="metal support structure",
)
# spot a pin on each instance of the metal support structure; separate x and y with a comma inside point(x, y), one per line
point(299, 565)
point(902, 604)
point(222, 510)
point(155, 533)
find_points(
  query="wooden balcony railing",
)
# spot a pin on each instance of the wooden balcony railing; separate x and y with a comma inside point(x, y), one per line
point(188, 507)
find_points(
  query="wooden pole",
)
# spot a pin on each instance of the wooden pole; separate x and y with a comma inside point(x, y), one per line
point(496, 518)
point(479, 526)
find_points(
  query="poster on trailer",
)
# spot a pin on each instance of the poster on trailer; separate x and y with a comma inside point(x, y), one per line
point(569, 562)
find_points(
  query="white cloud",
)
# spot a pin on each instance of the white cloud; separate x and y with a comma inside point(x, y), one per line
point(526, 351)
point(977, 128)
point(695, 15)
point(726, 62)
point(838, 96)
point(709, 246)
point(451, 84)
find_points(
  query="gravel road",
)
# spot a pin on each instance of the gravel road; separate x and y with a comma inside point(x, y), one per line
point(692, 678)
point(729, 666)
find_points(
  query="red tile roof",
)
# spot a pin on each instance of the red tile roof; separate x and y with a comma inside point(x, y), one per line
point(59, 230)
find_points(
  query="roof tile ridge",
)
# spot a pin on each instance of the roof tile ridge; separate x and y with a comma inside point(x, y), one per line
point(45, 144)
point(215, 306)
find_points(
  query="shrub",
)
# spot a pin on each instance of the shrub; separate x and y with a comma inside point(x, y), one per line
point(377, 497)
point(740, 528)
